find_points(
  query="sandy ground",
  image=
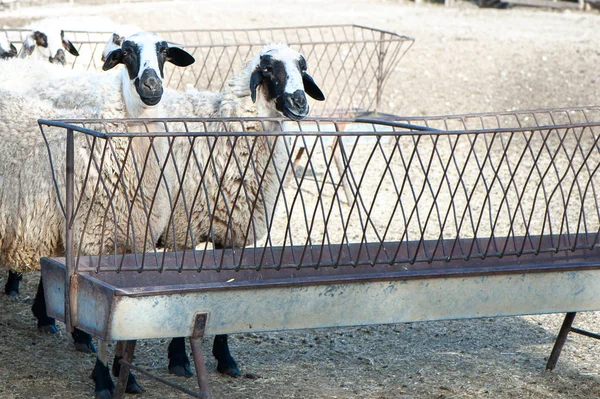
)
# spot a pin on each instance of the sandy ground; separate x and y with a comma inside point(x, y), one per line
point(464, 60)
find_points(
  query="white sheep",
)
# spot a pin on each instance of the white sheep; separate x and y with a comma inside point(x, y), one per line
point(273, 84)
point(31, 221)
point(220, 200)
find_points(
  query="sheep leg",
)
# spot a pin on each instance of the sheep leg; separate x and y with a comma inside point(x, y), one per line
point(12, 284)
point(45, 323)
point(104, 386)
point(179, 362)
point(83, 341)
point(225, 362)
point(125, 350)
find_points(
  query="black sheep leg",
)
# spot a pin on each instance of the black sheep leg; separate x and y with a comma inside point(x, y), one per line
point(83, 341)
point(45, 323)
point(179, 362)
point(104, 387)
point(11, 288)
point(225, 362)
point(132, 385)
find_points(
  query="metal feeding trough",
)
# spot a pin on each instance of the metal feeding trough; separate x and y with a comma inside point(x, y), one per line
point(361, 221)
point(441, 218)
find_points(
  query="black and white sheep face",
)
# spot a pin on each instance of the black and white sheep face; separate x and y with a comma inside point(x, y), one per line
point(48, 47)
point(281, 73)
point(144, 55)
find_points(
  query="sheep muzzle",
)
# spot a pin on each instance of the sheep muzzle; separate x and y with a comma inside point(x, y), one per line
point(149, 87)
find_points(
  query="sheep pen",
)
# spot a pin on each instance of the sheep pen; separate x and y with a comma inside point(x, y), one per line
point(500, 356)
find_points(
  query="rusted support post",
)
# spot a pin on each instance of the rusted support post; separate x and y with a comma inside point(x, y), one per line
point(560, 340)
point(124, 371)
point(196, 344)
point(71, 275)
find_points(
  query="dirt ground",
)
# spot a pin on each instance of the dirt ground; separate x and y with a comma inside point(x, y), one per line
point(464, 59)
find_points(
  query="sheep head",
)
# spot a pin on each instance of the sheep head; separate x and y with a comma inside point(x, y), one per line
point(144, 55)
point(280, 73)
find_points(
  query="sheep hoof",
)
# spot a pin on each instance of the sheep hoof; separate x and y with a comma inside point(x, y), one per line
point(48, 329)
point(132, 385)
point(180, 366)
point(181, 370)
point(104, 394)
point(85, 347)
point(230, 369)
point(104, 386)
point(83, 341)
point(12, 284)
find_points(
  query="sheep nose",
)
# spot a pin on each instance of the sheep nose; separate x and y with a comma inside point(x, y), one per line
point(299, 99)
point(152, 83)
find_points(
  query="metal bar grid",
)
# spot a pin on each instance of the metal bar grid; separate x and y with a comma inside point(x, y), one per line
point(504, 188)
point(352, 63)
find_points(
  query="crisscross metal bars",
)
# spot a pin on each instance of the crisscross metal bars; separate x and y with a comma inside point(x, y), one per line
point(415, 196)
point(350, 63)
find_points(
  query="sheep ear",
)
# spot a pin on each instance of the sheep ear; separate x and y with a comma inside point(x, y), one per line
point(255, 80)
point(28, 45)
point(13, 51)
point(179, 57)
point(114, 58)
point(68, 45)
point(311, 88)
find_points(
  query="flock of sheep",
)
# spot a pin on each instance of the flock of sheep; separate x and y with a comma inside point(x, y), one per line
point(235, 204)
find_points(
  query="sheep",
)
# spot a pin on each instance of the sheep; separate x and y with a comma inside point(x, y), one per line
point(7, 49)
point(30, 220)
point(273, 84)
point(47, 36)
point(47, 42)
point(233, 208)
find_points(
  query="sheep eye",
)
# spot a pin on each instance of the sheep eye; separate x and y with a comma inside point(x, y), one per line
point(125, 53)
point(165, 51)
point(267, 69)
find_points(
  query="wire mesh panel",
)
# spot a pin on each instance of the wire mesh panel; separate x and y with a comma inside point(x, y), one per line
point(351, 63)
point(403, 195)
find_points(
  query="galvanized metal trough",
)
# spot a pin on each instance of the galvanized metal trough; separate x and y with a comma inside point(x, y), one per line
point(426, 219)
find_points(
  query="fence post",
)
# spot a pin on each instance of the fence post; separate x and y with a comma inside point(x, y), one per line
point(71, 275)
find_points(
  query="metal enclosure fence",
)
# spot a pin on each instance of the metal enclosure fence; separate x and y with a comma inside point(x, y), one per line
point(350, 63)
point(409, 190)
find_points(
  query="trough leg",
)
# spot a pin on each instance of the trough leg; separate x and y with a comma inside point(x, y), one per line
point(560, 340)
point(126, 379)
point(196, 344)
